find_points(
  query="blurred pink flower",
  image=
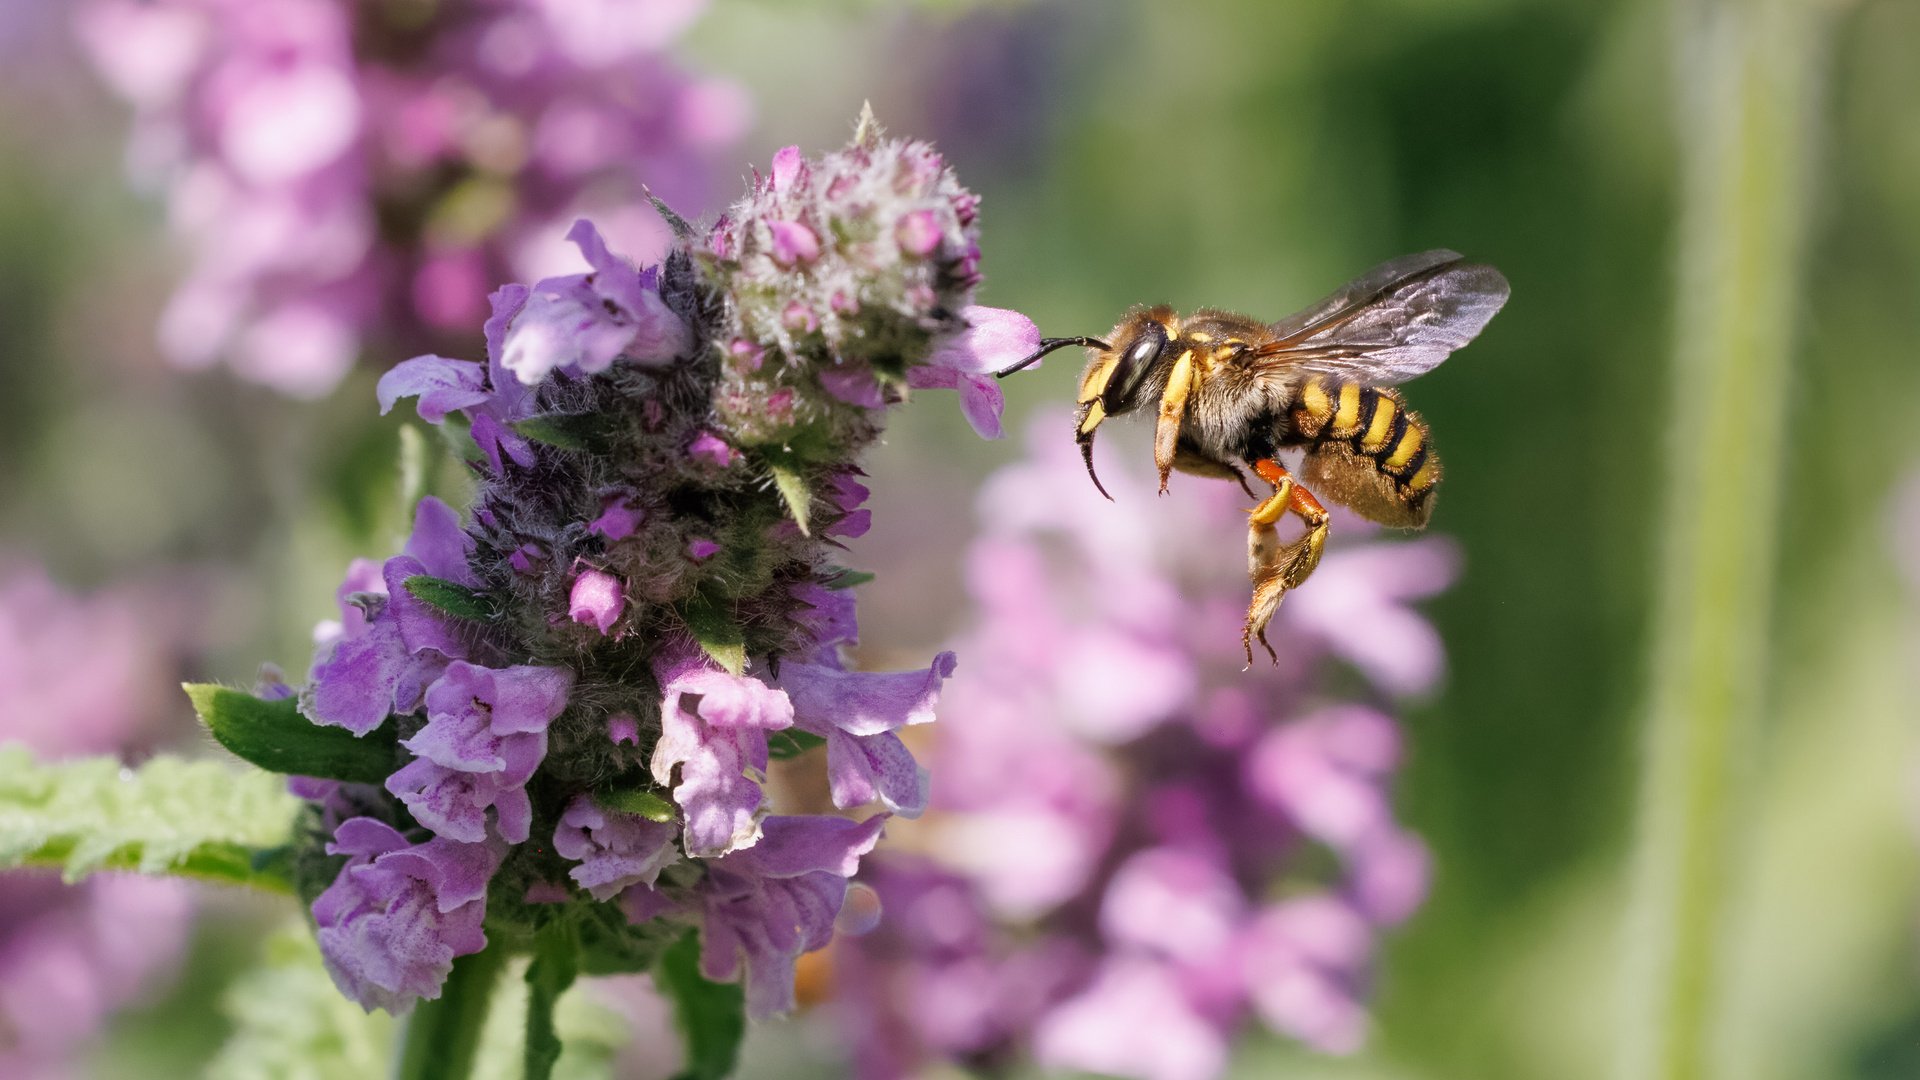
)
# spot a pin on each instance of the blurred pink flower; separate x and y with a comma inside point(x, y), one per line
point(330, 193)
point(1113, 783)
point(78, 675)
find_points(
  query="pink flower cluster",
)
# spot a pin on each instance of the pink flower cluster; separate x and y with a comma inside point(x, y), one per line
point(1123, 812)
point(343, 174)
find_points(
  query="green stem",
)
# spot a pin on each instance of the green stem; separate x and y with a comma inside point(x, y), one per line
point(443, 1035)
point(1748, 80)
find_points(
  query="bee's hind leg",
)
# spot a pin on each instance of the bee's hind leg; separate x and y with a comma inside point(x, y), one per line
point(1276, 567)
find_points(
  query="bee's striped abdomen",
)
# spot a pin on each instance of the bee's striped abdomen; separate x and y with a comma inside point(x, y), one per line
point(1369, 452)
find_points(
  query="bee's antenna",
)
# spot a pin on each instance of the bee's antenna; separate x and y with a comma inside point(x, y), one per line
point(1086, 451)
point(1048, 345)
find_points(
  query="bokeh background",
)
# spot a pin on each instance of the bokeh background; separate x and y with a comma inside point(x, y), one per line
point(160, 525)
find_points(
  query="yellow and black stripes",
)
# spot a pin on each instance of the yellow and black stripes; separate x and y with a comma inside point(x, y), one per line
point(1374, 423)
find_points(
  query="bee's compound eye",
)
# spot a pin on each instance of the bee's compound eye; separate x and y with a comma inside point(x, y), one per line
point(1133, 367)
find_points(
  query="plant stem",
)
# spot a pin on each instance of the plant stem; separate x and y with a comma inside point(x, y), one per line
point(1747, 80)
point(443, 1035)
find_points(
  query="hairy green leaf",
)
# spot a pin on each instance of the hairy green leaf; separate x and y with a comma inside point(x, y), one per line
point(634, 801)
point(586, 433)
point(793, 489)
point(839, 577)
point(712, 1017)
point(274, 736)
point(193, 819)
point(791, 743)
point(450, 597)
point(713, 627)
point(556, 960)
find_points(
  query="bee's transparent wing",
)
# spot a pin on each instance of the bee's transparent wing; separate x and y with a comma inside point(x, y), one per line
point(1398, 320)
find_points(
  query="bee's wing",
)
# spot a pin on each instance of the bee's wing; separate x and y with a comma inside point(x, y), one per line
point(1398, 320)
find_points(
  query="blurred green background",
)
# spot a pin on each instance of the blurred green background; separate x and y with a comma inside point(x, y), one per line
point(1247, 154)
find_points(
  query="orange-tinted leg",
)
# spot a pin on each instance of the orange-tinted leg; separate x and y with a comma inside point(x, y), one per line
point(1275, 567)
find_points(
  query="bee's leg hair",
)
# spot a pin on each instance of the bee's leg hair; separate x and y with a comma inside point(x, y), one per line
point(1274, 567)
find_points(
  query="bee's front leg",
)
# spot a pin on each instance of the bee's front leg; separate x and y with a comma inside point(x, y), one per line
point(1277, 567)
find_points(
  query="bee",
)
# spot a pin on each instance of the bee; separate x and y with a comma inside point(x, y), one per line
point(1230, 391)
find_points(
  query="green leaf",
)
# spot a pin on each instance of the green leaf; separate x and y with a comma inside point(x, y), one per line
point(634, 801)
point(450, 597)
point(192, 819)
point(791, 743)
point(586, 432)
point(793, 489)
point(556, 960)
point(274, 736)
point(712, 1017)
point(712, 625)
point(839, 577)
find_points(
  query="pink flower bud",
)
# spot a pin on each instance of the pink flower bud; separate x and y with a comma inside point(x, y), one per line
point(918, 233)
point(702, 548)
point(800, 318)
point(793, 243)
point(597, 599)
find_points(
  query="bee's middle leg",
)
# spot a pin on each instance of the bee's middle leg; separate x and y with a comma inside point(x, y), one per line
point(1277, 567)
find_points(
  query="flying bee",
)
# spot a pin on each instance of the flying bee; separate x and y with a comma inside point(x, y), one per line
point(1230, 391)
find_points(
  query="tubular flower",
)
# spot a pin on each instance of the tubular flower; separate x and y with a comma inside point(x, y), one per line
point(579, 684)
point(1120, 785)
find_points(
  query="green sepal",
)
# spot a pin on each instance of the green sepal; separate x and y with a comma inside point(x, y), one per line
point(585, 432)
point(712, 1017)
point(556, 960)
point(791, 743)
point(682, 230)
point(634, 801)
point(839, 577)
point(450, 597)
point(793, 489)
point(713, 627)
point(274, 736)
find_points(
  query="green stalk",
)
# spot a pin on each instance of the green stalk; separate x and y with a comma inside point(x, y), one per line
point(1748, 81)
point(443, 1035)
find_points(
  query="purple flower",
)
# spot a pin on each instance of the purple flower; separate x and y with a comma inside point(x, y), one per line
point(711, 449)
point(965, 361)
point(618, 518)
point(389, 645)
point(616, 849)
point(392, 922)
point(580, 323)
point(714, 729)
point(597, 599)
point(764, 906)
point(857, 713)
point(486, 732)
